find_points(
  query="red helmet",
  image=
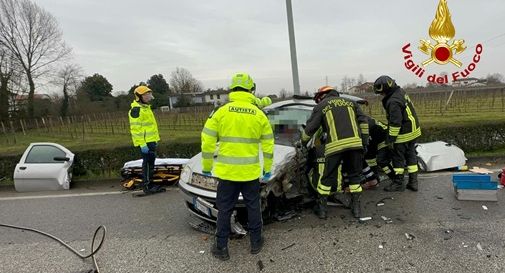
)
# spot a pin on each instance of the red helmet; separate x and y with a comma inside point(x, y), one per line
point(321, 92)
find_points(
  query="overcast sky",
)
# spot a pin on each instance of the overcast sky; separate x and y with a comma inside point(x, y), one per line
point(127, 41)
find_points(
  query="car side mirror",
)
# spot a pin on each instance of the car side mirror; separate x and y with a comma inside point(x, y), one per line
point(61, 158)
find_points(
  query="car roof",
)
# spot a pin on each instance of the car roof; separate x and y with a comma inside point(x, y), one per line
point(308, 101)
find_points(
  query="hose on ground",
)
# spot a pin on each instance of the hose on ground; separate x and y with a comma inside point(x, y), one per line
point(93, 250)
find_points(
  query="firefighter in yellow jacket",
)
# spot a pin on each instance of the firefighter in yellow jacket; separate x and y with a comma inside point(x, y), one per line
point(241, 128)
point(346, 128)
point(144, 131)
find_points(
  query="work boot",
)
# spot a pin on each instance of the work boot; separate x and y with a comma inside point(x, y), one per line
point(356, 204)
point(412, 184)
point(220, 253)
point(321, 208)
point(154, 189)
point(396, 184)
point(377, 171)
point(257, 246)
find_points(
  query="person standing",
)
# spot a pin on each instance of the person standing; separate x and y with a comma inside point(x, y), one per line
point(145, 136)
point(403, 131)
point(241, 128)
point(346, 129)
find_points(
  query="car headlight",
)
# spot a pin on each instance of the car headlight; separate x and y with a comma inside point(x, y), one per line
point(186, 174)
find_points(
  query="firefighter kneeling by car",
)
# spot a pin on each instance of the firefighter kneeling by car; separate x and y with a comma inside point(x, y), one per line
point(240, 127)
point(346, 128)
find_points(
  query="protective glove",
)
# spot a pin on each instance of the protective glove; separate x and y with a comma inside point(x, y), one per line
point(266, 177)
point(365, 142)
point(209, 174)
point(144, 149)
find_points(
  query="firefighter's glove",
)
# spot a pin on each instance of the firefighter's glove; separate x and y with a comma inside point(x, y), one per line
point(209, 174)
point(266, 177)
point(144, 149)
point(365, 141)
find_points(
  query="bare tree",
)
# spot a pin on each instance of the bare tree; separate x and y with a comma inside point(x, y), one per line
point(495, 78)
point(361, 80)
point(33, 37)
point(68, 78)
point(346, 84)
point(181, 81)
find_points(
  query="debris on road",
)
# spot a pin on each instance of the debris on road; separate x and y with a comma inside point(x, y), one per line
point(409, 236)
point(364, 219)
point(484, 207)
point(479, 247)
point(381, 202)
point(480, 170)
point(289, 246)
point(387, 219)
point(260, 265)
point(202, 251)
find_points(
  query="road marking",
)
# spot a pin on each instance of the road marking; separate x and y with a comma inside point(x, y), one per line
point(65, 195)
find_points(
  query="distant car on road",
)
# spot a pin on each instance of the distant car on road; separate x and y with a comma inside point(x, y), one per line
point(44, 166)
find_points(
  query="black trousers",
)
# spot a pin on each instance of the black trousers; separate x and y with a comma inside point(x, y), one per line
point(352, 161)
point(148, 165)
point(404, 155)
point(227, 196)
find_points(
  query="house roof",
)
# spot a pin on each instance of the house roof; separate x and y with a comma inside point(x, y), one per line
point(216, 92)
point(35, 96)
point(466, 79)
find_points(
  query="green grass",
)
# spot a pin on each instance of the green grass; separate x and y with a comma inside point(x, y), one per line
point(89, 142)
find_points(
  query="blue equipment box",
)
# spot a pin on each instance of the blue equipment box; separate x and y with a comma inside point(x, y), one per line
point(473, 181)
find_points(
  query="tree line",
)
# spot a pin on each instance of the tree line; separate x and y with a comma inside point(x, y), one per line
point(32, 50)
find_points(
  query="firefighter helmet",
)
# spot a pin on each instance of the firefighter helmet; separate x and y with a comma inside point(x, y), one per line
point(321, 92)
point(383, 84)
point(141, 90)
point(242, 82)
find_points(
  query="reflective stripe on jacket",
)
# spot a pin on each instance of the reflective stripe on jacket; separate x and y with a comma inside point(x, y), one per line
point(240, 127)
point(143, 125)
point(343, 122)
point(403, 124)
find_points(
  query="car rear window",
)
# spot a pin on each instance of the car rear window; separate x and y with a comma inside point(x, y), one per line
point(44, 154)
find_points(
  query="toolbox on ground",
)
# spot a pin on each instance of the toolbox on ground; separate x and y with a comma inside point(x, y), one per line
point(477, 187)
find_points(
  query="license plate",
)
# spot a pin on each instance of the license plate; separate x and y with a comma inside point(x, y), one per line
point(199, 206)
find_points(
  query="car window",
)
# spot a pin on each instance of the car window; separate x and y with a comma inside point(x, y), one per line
point(287, 122)
point(44, 154)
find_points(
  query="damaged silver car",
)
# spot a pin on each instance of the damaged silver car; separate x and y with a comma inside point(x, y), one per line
point(288, 189)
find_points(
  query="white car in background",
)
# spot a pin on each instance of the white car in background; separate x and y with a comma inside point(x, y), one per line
point(44, 166)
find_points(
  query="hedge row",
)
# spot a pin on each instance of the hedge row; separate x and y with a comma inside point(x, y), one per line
point(107, 162)
point(478, 137)
point(470, 138)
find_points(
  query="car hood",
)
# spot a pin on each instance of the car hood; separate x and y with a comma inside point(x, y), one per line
point(282, 155)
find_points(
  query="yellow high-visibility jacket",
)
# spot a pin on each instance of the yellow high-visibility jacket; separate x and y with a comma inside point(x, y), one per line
point(143, 125)
point(240, 127)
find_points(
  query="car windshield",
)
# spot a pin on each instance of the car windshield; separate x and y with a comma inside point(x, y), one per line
point(287, 122)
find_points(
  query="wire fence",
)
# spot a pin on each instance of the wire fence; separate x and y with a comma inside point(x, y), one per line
point(85, 128)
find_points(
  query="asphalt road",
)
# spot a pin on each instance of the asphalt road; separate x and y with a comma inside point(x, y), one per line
point(150, 234)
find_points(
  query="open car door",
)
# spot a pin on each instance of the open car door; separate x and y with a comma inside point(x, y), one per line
point(44, 166)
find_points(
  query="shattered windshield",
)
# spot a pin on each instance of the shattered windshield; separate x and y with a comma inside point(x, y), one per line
point(287, 122)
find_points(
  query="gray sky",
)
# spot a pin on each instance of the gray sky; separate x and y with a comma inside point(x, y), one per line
point(127, 41)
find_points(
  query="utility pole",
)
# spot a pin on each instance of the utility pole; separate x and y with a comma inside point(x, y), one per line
point(294, 64)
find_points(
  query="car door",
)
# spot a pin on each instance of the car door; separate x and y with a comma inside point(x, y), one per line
point(43, 166)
